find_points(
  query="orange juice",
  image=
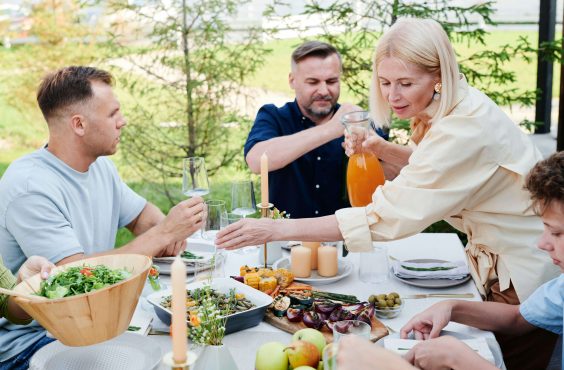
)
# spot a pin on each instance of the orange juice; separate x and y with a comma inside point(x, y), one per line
point(364, 175)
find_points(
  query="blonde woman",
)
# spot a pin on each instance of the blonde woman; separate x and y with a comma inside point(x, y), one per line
point(466, 164)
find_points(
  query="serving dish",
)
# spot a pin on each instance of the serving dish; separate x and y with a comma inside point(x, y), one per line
point(235, 322)
point(431, 283)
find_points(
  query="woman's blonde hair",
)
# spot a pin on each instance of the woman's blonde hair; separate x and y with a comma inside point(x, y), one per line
point(424, 43)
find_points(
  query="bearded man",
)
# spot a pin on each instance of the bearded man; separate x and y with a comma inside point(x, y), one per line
point(303, 139)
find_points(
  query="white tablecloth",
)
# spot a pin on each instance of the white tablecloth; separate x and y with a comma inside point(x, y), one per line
point(243, 344)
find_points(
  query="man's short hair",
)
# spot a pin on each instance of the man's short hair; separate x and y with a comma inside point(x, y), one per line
point(67, 86)
point(313, 49)
point(545, 182)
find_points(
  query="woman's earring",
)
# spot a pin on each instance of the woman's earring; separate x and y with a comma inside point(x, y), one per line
point(437, 93)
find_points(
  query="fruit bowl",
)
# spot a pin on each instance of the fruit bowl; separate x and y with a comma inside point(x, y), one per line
point(388, 312)
point(92, 317)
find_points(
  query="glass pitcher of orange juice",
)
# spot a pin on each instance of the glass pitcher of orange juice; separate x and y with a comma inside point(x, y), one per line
point(364, 172)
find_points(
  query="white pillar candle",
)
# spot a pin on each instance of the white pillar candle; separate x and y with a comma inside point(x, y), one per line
point(179, 330)
point(313, 246)
point(327, 261)
point(300, 261)
point(264, 180)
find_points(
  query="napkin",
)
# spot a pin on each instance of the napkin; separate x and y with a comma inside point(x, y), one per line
point(430, 270)
point(402, 346)
point(140, 322)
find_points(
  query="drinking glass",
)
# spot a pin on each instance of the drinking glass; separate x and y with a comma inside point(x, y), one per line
point(374, 265)
point(216, 220)
point(208, 270)
point(329, 357)
point(194, 177)
point(243, 198)
point(348, 327)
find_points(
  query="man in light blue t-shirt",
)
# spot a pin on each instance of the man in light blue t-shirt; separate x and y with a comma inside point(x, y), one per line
point(543, 309)
point(66, 200)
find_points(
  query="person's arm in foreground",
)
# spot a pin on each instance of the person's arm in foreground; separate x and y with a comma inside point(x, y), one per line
point(257, 231)
point(490, 316)
point(32, 266)
point(288, 148)
point(355, 353)
point(156, 237)
point(446, 353)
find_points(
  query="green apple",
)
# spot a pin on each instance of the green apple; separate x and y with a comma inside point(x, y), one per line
point(304, 368)
point(271, 356)
point(313, 336)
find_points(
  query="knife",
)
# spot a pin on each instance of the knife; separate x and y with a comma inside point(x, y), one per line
point(439, 295)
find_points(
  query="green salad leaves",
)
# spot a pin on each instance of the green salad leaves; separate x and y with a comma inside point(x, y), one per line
point(79, 280)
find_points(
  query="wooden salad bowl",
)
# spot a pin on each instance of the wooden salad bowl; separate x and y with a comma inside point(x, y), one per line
point(92, 317)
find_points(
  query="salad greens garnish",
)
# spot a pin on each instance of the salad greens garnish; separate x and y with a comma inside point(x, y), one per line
point(438, 268)
point(190, 255)
point(79, 280)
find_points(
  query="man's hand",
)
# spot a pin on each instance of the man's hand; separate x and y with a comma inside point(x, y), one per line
point(173, 249)
point(335, 125)
point(248, 231)
point(355, 353)
point(34, 265)
point(429, 323)
point(182, 221)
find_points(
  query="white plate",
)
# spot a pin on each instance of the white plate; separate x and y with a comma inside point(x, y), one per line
point(128, 351)
point(492, 344)
point(431, 283)
point(199, 247)
point(345, 268)
point(164, 268)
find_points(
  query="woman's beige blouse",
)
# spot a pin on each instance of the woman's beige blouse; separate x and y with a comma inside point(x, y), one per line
point(469, 170)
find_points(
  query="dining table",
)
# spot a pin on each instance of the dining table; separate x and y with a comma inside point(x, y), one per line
point(445, 246)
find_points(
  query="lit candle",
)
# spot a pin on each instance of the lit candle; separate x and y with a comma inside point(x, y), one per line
point(313, 246)
point(264, 179)
point(327, 261)
point(300, 261)
point(179, 334)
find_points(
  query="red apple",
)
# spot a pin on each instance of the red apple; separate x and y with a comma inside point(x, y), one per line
point(302, 353)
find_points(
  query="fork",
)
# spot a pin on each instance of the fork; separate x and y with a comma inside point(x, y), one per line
point(439, 295)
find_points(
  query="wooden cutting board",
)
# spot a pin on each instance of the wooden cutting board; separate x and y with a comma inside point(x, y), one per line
point(378, 329)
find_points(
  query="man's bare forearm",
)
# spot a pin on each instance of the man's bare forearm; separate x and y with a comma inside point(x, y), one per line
point(286, 149)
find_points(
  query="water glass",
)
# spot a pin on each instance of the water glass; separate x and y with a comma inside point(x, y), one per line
point(348, 327)
point(329, 356)
point(232, 218)
point(210, 269)
point(243, 198)
point(374, 265)
point(194, 177)
point(216, 220)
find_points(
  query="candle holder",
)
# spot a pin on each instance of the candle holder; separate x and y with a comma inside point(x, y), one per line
point(265, 212)
point(168, 361)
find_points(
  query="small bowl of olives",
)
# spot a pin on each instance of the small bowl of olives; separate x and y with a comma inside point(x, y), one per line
point(386, 306)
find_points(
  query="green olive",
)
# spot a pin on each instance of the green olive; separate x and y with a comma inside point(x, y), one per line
point(397, 301)
point(372, 299)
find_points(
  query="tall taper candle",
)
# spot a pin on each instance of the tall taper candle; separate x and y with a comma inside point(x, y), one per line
point(179, 331)
point(264, 179)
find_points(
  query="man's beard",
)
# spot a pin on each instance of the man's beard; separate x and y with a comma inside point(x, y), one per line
point(321, 113)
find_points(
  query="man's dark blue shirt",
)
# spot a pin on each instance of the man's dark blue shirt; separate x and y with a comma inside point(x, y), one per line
point(312, 185)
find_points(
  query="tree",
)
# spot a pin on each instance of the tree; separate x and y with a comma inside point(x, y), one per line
point(60, 37)
point(183, 78)
point(360, 24)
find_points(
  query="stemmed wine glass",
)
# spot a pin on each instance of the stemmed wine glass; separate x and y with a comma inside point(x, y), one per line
point(243, 204)
point(243, 198)
point(194, 177)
